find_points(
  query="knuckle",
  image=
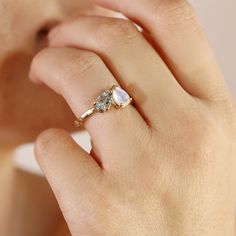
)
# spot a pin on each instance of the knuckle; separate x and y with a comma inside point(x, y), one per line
point(64, 64)
point(45, 140)
point(115, 32)
point(176, 13)
point(77, 64)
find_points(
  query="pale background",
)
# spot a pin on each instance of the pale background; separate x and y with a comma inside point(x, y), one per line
point(219, 20)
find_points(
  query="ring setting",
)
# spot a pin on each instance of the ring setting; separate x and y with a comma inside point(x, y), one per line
point(113, 97)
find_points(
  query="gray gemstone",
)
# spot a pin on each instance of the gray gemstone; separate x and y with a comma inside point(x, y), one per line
point(104, 101)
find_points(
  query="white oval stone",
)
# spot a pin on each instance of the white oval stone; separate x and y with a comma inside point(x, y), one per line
point(120, 97)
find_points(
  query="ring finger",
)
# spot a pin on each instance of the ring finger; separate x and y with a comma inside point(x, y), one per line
point(80, 76)
point(136, 65)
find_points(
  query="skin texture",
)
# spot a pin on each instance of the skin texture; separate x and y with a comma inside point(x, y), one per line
point(27, 109)
point(164, 166)
point(169, 169)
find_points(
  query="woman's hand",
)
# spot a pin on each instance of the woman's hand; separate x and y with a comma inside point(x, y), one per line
point(165, 166)
point(24, 198)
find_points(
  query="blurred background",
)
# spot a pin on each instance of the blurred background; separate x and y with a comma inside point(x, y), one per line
point(219, 20)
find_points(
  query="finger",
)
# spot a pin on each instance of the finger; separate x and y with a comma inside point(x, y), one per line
point(175, 29)
point(30, 196)
point(80, 76)
point(72, 174)
point(129, 56)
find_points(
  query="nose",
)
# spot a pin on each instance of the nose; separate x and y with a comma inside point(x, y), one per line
point(49, 15)
point(30, 23)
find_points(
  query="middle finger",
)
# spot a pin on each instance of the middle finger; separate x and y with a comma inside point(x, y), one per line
point(134, 62)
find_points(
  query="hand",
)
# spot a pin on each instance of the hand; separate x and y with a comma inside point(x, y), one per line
point(28, 206)
point(26, 109)
point(165, 166)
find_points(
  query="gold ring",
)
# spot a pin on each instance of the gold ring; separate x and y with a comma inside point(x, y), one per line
point(115, 96)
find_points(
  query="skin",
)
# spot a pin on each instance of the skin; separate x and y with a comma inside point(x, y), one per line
point(27, 109)
point(170, 166)
point(163, 166)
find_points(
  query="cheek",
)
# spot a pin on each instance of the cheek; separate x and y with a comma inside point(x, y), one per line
point(27, 109)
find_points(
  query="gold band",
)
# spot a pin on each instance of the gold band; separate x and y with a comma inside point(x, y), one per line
point(79, 122)
point(114, 96)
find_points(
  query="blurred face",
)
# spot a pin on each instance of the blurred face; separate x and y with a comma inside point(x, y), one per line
point(27, 109)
